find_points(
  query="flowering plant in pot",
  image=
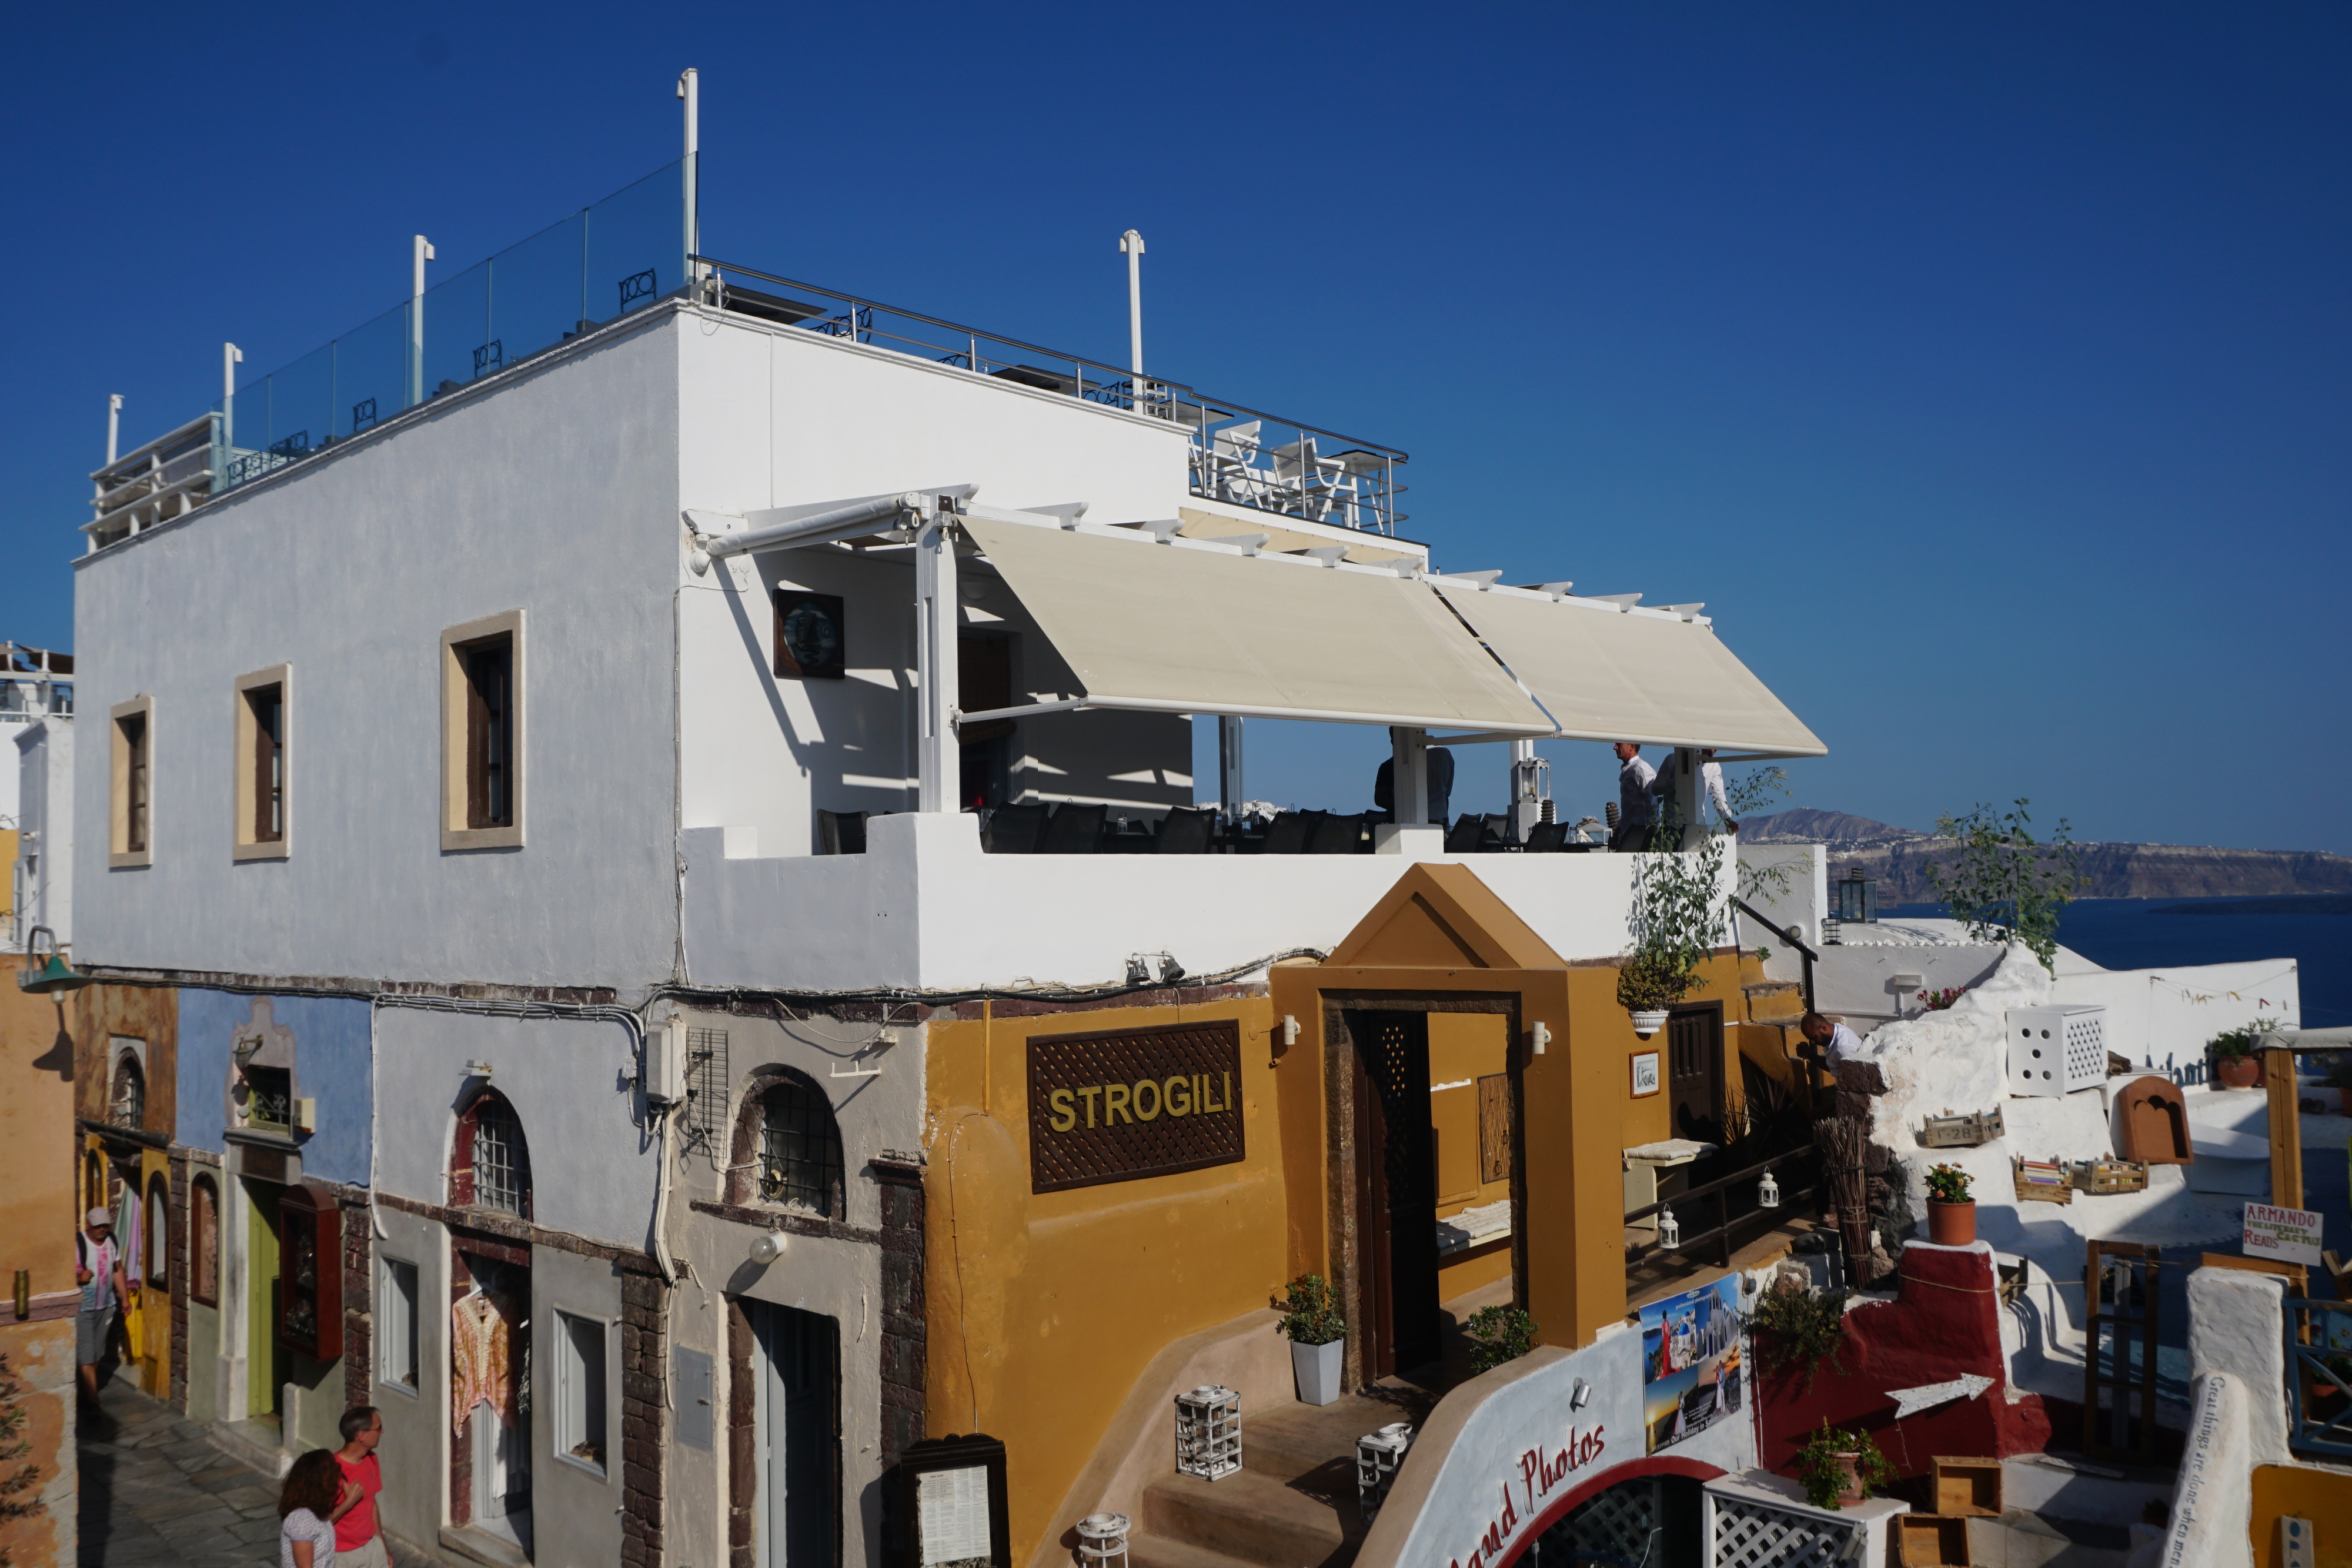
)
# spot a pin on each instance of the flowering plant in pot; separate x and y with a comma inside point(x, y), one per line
point(1951, 1212)
point(1317, 1336)
point(2235, 1061)
point(1840, 1468)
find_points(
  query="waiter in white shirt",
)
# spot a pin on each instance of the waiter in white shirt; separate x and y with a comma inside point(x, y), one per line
point(1637, 789)
point(1837, 1043)
point(1710, 788)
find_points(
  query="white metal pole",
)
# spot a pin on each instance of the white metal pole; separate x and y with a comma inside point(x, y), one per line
point(231, 356)
point(113, 424)
point(1229, 766)
point(689, 90)
point(1527, 808)
point(939, 766)
point(422, 253)
point(1408, 782)
point(1132, 244)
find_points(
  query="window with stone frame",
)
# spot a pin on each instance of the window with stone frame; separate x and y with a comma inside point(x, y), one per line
point(489, 1164)
point(788, 1147)
point(204, 1241)
point(126, 1101)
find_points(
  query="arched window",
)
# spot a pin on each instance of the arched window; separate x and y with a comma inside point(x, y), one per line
point(788, 1147)
point(159, 1230)
point(94, 1184)
point(489, 1166)
point(126, 1106)
point(204, 1241)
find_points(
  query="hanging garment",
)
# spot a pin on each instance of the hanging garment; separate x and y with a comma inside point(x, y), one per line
point(481, 1333)
point(134, 1325)
point(130, 1225)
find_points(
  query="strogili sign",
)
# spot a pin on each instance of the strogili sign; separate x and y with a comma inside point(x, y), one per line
point(2283, 1235)
point(1135, 1102)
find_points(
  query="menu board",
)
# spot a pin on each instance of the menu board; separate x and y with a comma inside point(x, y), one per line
point(951, 1511)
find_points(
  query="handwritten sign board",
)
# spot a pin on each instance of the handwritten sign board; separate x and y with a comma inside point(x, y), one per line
point(2283, 1235)
point(1136, 1102)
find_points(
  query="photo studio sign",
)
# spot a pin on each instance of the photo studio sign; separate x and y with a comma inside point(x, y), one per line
point(1134, 1103)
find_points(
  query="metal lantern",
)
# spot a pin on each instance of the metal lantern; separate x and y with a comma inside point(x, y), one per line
point(1378, 1455)
point(1767, 1191)
point(1857, 898)
point(1209, 1432)
point(1102, 1541)
point(1670, 1234)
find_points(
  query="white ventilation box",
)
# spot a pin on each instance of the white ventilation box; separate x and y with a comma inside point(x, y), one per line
point(2056, 1051)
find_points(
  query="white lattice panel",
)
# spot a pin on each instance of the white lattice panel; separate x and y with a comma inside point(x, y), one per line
point(1752, 1535)
point(1618, 1521)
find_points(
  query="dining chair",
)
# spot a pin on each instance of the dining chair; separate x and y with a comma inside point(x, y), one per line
point(1185, 830)
point(840, 832)
point(1012, 830)
point(1288, 832)
point(1073, 830)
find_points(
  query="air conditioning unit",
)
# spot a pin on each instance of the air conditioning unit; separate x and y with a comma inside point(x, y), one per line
point(2056, 1051)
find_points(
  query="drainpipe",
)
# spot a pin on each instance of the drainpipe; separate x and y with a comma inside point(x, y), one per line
point(936, 673)
point(421, 254)
point(661, 1195)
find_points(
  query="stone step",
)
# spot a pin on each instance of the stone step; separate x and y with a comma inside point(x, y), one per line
point(1145, 1549)
point(1252, 1518)
point(1774, 1001)
point(1303, 1440)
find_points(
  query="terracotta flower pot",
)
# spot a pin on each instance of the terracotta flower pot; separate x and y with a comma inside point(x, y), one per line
point(2237, 1071)
point(1951, 1224)
point(1849, 1478)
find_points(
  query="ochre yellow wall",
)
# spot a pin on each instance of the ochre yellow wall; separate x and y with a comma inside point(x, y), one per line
point(37, 1183)
point(2323, 1497)
point(1044, 1308)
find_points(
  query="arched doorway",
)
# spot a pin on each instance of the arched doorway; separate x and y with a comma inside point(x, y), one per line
point(1650, 1521)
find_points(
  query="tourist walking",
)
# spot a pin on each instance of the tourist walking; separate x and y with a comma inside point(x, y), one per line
point(97, 1269)
point(306, 1506)
point(359, 1537)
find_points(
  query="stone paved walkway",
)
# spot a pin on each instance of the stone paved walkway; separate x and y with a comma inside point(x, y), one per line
point(155, 1491)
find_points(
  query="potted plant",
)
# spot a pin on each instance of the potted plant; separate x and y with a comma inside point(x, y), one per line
point(2234, 1062)
point(1319, 1336)
point(1498, 1334)
point(1648, 985)
point(1803, 1329)
point(1840, 1468)
point(1951, 1212)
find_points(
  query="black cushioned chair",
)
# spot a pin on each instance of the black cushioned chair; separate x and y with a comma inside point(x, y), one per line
point(1012, 830)
point(1186, 831)
point(840, 832)
point(1073, 830)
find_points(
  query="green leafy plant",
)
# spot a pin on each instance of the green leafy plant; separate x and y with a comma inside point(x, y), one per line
point(2239, 1041)
point(1949, 1184)
point(1309, 1316)
point(1802, 1329)
point(1823, 1477)
point(2003, 883)
point(1679, 918)
point(1748, 795)
point(1652, 982)
point(1498, 1334)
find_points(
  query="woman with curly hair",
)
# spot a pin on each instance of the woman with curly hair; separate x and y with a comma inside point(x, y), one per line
point(306, 1504)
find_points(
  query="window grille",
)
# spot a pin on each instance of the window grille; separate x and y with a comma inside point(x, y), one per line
point(800, 1150)
point(502, 1172)
point(706, 1079)
point(272, 1104)
point(128, 1106)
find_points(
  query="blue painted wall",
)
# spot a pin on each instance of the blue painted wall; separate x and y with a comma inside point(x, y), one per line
point(331, 1048)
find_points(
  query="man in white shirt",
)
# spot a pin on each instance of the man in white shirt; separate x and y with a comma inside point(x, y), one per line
point(1710, 792)
point(1837, 1043)
point(1637, 788)
point(97, 1269)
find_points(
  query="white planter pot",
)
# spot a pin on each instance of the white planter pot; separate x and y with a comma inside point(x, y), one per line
point(1316, 1367)
point(1646, 1024)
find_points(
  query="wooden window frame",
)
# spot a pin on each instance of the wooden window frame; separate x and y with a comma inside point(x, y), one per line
point(463, 824)
point(246, 829)
point(131, 826)
point(204, 1214)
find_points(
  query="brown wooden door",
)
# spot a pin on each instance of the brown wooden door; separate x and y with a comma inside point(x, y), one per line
point(1695, 1070)
point(1396, 1192)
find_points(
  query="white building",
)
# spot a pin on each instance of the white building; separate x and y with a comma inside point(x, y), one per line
point(36, 794)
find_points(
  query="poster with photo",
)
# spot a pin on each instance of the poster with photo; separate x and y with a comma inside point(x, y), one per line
point(1691, 1373)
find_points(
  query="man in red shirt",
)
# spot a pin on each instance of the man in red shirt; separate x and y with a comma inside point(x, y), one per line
point(359, 1543)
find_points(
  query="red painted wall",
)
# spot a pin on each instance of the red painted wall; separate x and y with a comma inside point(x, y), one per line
point(1944, 1321)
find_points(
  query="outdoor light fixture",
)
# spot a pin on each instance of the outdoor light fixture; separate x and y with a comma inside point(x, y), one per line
point(1378, 1455)
point(1670, 1234)
point(1541, 1036)
point(1289, 1030)
point(1767, 1191)
point(1102, 1539)
point(478, 1070)
point(54, 973)
point(1209, 1432)
point(768, 1248)
point(1580, 1396)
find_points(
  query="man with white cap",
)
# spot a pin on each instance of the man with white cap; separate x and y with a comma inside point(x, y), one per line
point(97, 1269)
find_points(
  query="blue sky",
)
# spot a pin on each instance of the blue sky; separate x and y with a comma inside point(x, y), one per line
point(1983, 369)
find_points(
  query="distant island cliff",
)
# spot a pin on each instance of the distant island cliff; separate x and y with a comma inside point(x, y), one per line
point(1895, 855)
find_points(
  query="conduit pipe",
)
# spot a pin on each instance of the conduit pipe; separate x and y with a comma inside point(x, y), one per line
point(661, 1197)
point(824, 528)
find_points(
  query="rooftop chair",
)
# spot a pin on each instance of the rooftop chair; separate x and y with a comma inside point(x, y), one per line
point(1467, 836)
point(1186, 831)
point(1547, 836)
point(1233, 454)
point(1287, 833)
point(840, 832)
point(1312, 483)
point(1075, 829)
point(1336, 835)
point(1012, 830)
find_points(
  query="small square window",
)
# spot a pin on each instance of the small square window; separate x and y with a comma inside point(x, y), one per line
point(482, 683)
point(580, 1390)
point(131, 835)
point(396, 1326)
point(261, 796)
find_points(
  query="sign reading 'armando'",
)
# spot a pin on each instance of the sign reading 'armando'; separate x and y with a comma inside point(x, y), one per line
point(1138, 1102)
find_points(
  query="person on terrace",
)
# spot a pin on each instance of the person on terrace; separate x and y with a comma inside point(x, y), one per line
point(1836, 1042)
point(1637, 792)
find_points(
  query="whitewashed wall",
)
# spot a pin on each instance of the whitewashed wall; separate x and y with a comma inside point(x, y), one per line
point(555, 493)
point(42, 889)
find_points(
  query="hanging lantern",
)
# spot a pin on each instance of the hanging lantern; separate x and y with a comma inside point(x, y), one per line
point(1670, 1234)
point(1857, 898)
point(55, 975)
point(1767, 1191)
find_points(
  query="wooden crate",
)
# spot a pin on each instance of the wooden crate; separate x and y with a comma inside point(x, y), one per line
point(1961, 1131)
point(1967, 1488)
point(2039, 1181)
point(2110, 1176)
point(1931, 1541)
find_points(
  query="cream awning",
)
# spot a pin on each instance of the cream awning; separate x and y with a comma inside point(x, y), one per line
point(1169, 629)
point(1608, 676)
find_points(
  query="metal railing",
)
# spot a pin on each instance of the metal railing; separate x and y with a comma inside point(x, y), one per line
point(1718, 1189)
point(1790, 937)
point(1241, 456)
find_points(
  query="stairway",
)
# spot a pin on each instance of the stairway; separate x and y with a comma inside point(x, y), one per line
point(1293, 1502)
